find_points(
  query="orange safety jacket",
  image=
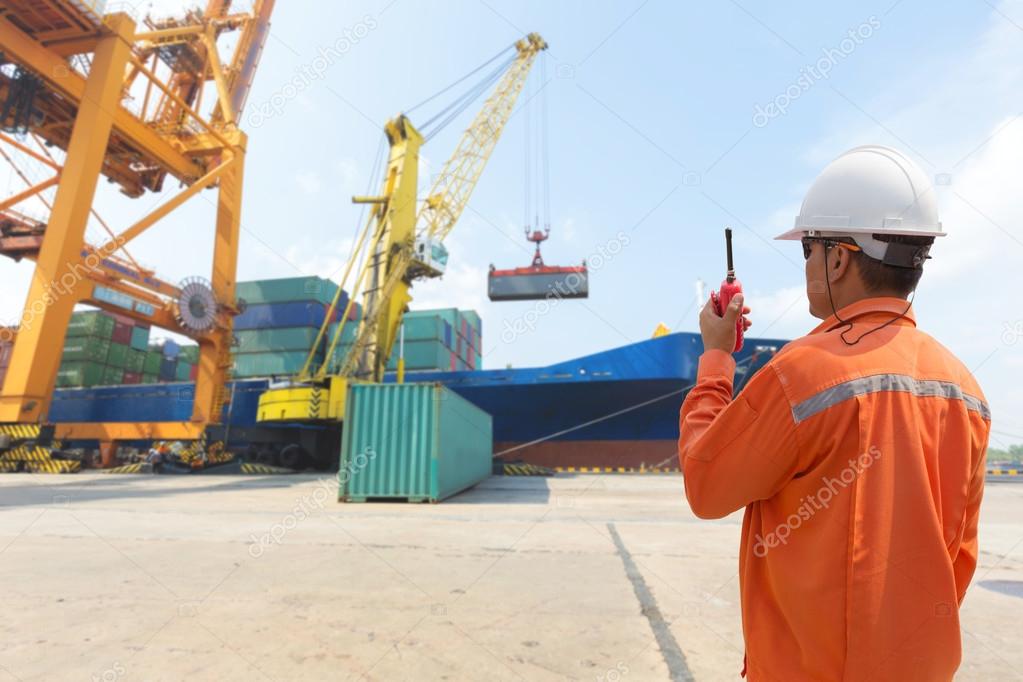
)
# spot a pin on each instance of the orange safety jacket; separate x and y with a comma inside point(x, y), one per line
point(861, 469)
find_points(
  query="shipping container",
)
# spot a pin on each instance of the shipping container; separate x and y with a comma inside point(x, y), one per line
point(91, 323)
point(140, 338)
point(183, 370)
point(424, 328)
point(293, 338)
point(193, 373)
point(80, 374)
point(132, 378)
point(168, 369)
point(288, 290)
point(151, 365)
point(280, 315)
point(86, 348)
point(122, 332)
point(189, 353)
point(150, 378)
point(135, 361)
point(113, 376)
point(270, 364)
point(422, 355)
point(418, 442)
point(117, 355)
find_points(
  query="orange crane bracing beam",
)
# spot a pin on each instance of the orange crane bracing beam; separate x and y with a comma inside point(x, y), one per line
point(78, 105)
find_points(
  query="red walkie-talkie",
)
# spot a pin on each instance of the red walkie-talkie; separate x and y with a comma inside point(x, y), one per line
point(729, 288)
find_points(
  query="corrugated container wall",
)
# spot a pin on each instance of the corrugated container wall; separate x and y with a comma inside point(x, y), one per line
point(420, 442)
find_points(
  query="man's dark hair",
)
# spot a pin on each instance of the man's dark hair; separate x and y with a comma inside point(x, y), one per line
point(881, 278)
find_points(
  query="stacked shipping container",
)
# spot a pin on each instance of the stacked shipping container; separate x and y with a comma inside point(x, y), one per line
point(279, 325)
point(102, 348)
point(446, 339)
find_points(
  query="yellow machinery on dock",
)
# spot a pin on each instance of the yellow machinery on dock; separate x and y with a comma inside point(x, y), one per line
point(124, 101)
point(399, 245)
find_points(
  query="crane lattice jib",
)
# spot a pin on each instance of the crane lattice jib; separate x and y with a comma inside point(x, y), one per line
point(456, 182)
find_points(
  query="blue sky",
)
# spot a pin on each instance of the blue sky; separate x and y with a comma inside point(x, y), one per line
point(653, 135)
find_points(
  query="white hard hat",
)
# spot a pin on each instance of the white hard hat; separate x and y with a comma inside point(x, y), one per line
point(869, 190)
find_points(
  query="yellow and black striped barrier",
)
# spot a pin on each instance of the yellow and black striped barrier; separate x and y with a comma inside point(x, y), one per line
point(27, 454)
point(135, 468)
point(20, 431)
point(252, 468)
point(526, 470)
point(9, 467)
point(615, 470)
point(1005, 472)
point(54, 466)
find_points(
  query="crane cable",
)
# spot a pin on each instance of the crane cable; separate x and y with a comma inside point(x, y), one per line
point(537, 192)
point(455, 109)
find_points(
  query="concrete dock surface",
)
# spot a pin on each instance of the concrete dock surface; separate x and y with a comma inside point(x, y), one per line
point(579, 577)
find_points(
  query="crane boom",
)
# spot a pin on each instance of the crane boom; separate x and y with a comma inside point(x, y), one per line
point(403, 246)
point(456, 182)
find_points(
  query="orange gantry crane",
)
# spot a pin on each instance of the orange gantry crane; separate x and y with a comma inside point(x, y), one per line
point(123, 100)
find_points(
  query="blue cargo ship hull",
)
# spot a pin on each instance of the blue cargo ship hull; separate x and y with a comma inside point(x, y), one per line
point(614, 408)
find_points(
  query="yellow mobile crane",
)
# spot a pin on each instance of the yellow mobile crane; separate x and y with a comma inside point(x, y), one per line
point(399, 245)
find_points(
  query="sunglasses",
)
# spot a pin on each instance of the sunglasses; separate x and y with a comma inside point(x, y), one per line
point(828, 243)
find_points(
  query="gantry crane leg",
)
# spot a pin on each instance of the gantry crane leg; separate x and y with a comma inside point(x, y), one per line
point(214, 353)
point(37, 349)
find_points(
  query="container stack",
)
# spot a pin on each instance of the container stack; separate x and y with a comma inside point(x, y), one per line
point(102, 348)
point(279, 325)
point(446, 339)
point(168, 361)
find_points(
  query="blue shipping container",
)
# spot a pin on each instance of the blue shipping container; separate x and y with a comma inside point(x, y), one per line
point(277, 315)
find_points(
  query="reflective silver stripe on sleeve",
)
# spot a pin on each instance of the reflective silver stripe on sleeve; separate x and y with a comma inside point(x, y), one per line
point(923, 388)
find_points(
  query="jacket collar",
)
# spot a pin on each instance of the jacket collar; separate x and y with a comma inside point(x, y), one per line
point(868, 306)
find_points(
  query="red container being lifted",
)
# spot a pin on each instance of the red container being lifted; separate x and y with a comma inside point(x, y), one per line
point(538, 281)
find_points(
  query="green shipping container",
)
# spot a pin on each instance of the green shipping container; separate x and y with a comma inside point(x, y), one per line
point(423, 328)
point(183, 371)
point(151, 365)
point(140, 338)
point(284, 339)
point(422, 355)
point(86, 348)
point(419, 442)
point(449, 315)
point(189, 354)
point(267, 364)
point(113, 376)
point(135, 361)
point(150, 379)
point(80, 374)
point(287, 290)
point(91, 323)
point(118, 355)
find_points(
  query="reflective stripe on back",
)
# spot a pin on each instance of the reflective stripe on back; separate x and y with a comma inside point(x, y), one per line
point(922, 388)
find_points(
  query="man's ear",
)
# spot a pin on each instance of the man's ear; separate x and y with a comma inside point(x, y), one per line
point(839, 263)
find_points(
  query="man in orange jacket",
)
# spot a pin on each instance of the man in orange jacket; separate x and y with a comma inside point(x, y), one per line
point(857, 451)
